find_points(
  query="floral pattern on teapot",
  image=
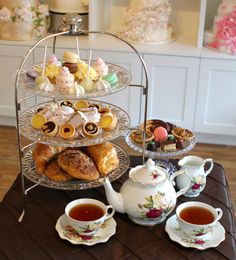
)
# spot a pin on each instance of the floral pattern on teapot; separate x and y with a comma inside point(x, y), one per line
point(155, 207)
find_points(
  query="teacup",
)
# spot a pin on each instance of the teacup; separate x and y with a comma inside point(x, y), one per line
point(197, 219)
point(86, 216)
point(194, 167)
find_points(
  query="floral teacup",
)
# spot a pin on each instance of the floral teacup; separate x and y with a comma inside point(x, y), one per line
point(197, 219)
point(86, 216)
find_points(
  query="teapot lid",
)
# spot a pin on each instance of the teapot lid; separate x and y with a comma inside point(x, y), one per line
point(148, 173)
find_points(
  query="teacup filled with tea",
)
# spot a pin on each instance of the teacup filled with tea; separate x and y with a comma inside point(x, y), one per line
point(197, 219)
point(87, 215)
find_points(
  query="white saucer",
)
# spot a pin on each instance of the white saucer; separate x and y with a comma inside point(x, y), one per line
point(66, 232)
point(177, 235)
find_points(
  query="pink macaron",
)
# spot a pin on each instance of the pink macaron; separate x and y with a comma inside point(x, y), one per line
point(160, 134)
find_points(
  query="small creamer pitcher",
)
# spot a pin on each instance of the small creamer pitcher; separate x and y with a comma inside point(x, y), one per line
point(194, 166)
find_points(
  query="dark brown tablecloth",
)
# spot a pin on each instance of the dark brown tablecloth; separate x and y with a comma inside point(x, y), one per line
point(36, 237)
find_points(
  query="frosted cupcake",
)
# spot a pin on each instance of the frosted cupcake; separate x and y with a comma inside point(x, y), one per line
point(100, 67)
point(65, 81)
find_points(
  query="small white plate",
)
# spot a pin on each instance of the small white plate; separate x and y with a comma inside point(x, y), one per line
point(177, 235)
point(66, 232)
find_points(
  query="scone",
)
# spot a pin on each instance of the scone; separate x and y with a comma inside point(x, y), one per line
point(56, 173)
point(78, 164)
point(105, 157)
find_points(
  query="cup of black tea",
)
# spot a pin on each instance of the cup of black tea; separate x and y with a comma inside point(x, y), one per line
point(87, 215)
point(197, 219)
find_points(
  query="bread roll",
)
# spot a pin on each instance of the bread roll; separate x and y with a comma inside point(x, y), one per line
point(43, 153)
point(105, 157)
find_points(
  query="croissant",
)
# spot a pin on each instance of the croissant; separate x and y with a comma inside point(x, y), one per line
point(43, 153)
point(105, 157)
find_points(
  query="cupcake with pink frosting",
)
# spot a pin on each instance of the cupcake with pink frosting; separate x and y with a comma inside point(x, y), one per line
point(65, 81)
point(100, 67)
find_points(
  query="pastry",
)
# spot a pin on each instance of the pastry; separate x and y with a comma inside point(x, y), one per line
point(102, 84)
point(80, 104)
point(56, 173)
point(182, 133)
point(111, 78)
point(66, 103)
point(43, 83)
point(108, 121)
point(160, 134)
point(78, 119)
point(81, 72)
point(137, 136)
point(67, 131)
point(105, 157)
point(90, 129)
point(168, 145)
point(43, 153)
point(154, 123)
point(38, 120)
point(65, 81)
point(88, 85)
point(49, 128)
point(91, 113)
point(78, 164)
point(70, 61)
point(45, 111)
point(79, 90)
point(63, 111)
point(100, 67)
point(52, 68)
point(104, 110)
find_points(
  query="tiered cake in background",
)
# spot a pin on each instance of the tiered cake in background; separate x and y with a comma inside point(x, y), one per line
point(22, 19)
point(224, 28)
point(147, 21)
point(58, 8)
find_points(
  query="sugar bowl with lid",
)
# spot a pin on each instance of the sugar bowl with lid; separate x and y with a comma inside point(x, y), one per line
point(147, 196)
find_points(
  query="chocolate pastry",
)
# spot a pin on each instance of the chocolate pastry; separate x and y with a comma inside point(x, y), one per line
point(90, 129)
point(78, 164)
point(49, 128)
point(168, 145)
point(56, 173)
point(152, 146)
point(66, 103)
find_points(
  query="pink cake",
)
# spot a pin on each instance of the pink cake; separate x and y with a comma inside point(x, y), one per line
point(224, 28)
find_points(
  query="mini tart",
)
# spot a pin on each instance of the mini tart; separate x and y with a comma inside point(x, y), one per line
point(137, 136)
point(108, 122)
point(38, 120)
point(95, 105)
point(182, 134)
point(67, 131)
point(66, 103)
point(81, 104)
point(104, 110)
point(90, 130)
point(49, 128)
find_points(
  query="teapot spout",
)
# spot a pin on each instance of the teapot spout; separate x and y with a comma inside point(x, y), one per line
point(114, 198)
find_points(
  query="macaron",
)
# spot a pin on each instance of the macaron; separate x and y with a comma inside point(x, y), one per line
point(111, 78)
point(160, 134)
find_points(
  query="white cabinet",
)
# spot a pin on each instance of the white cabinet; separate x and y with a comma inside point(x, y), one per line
point(11, 57)
point(173, 87)
point(216, 102)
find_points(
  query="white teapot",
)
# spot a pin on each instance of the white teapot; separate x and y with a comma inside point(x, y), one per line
point(147, 196)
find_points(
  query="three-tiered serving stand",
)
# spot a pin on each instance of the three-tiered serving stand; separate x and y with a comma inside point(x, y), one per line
point(25, 92)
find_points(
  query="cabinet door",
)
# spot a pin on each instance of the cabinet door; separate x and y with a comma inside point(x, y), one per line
point(11, 58)
point(172, 88)
point(128, 99)
point(216, 103)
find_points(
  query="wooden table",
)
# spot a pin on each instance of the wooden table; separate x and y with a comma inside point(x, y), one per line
point(36, 237)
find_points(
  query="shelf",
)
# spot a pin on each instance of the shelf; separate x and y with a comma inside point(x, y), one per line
point(30, 173)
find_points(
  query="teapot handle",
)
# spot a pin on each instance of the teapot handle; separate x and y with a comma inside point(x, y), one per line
point(177, 173)
point(211, 165)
